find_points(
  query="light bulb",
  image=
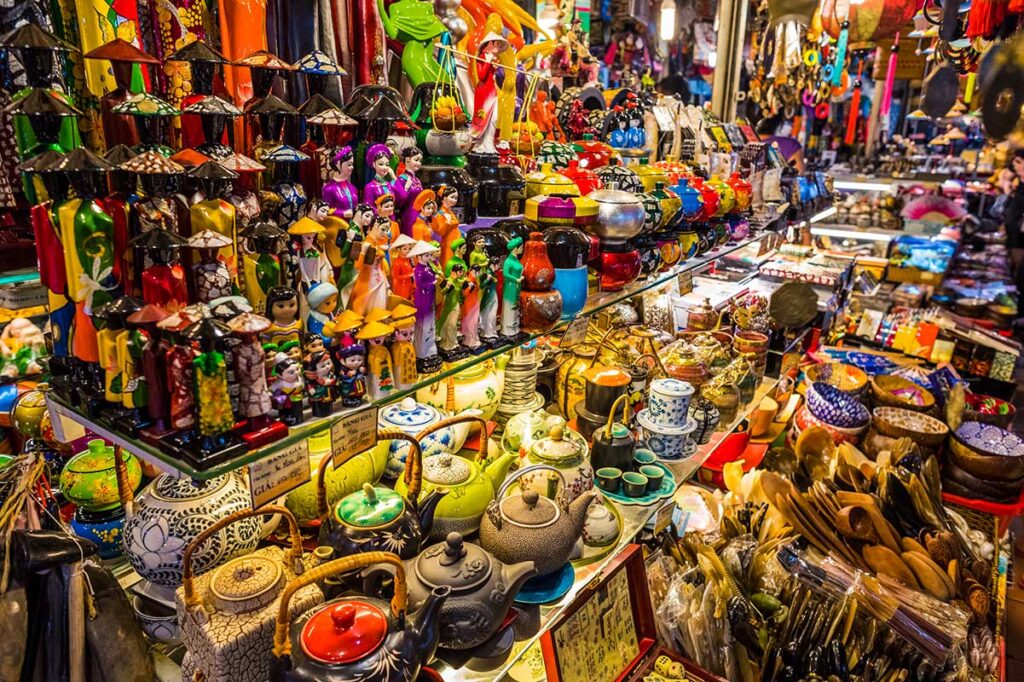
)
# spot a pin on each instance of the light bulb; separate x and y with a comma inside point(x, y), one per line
point(668, 19)
point(712, 59)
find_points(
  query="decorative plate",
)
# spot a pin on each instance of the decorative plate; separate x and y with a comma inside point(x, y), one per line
point(545, 589)
point(668, 487)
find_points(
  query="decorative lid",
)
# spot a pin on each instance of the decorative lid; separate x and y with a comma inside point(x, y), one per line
point(557, 447)
point(211, 105)
point(172, 489)
point(262, 59)
point(344, 631)
point(619, 430)
point(446, 470)
point(672, 387)
point(318, 62)
point(40, 102)
point(145, 104)
point(247, 583)
point(607, 376)
point(615, 197)
point(370, 508)
point(529, 509)
point(120, 50)
point(458, 564)
point(409, 415)
point(197, 51)
point(98, 456)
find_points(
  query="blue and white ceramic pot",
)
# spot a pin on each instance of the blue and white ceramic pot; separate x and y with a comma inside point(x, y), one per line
point(668, 404)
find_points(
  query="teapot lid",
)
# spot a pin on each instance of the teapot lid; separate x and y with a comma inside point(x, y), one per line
point(557, 445)
point(458, 564)
point(446, 469)
point(409, 414)
point(529, 509)
point(246, 583)
point(344, 631)
point(97, 457)
point(370, 507)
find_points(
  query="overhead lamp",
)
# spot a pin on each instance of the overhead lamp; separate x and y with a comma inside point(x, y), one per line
point(668, 20)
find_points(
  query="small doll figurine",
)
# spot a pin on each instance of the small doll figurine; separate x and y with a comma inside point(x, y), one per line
point(378, 165)
point(288, 389)
point(512, 277)
point(313, 266)
point(490, 76)
point(425, 210)
point(618, 137)
point(386, 209)
point(453, 291)
point(180, 377)
point(446, 223)
point(163, 282)
point(261, 262)
point(319, 382)
point(470, 325)
point(350, 245)
point(424, 255)
point(407, 188)
point(339, 192)
point(254, 399)
point(283, 312)
point(380, 375)
point(335, 232)
point(487, 282)
point(211, 275)
point(351, 372)
point(401, 267)
point(403, 353)
point(323, 301)
point(370, 291)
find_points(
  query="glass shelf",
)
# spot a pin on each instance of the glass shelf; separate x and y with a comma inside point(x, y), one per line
point(596, 302)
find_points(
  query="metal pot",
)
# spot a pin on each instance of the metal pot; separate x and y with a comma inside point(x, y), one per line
point(620, 215)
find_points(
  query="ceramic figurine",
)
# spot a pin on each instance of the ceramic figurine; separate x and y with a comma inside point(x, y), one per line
point(453, 290)
point(181, 407)
point(446, 222)
point(490, 270)
point(424, 274)
point(290, 196)
point(407, 188)
point(214, 212)
point(283, 312)
point(512, 277)
point(287, 389)
point(162, 282)
point(319, 375)
point(335, 232)
point(470, 325)
point(489, 73)
point(540, 306)
point(370, 291)
point(262, 265)
point(380, 372)
point(210, 275)
point(351, 372)
point(385, 205)
point(403, 353)
point(350, 245)
point(401, 267)
point(339, 192)
point(313, 266)
point(254, 400)
point(424, 209)
point(378, 166)
point(323, 301)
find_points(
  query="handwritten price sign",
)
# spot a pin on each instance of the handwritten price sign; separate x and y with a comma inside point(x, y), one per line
point(354, 433)
point(278, 475)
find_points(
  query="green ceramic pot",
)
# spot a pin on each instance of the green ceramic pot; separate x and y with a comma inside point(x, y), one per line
point(89, 480)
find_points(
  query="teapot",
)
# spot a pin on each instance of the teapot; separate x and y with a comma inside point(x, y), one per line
point(477, 387)
point(412, 417)
point(614, 444)
point(567, 451)
point(470, 483)
point(355, 637)
point(226, 616)
point(172, 512)
point(482, 588)
point(376, 518)
point(529, 527)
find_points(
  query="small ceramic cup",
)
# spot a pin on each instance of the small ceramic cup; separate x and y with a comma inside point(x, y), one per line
point(634, 484)
point(669, 401)
point(642, 458)
point(609, 479)
point(655, 475)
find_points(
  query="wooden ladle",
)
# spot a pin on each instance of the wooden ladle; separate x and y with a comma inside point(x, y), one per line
point(855, 522)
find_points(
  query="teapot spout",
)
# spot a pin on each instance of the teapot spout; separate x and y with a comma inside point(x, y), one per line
point(428, 622)
point(517, 574)
point(498, 469)
point(578, 510)
point(461, 430)
point(426, 508)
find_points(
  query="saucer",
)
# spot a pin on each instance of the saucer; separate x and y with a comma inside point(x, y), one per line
point(645, 421)
point(544, 589)
point(668, 487)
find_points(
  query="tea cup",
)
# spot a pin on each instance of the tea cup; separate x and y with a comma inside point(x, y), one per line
point(634, 484)
point(655, 475)
point(609, 479)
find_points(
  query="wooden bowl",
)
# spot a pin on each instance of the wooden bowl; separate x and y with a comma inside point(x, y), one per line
point(889, 390)
point(972, 412)
point(846, 378)
point(896, 422)
point(987, 451)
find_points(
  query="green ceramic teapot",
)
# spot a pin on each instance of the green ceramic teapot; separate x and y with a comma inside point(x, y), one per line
point(89, 479)
point(470, 482)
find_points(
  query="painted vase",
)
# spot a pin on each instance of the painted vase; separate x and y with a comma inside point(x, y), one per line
point(726, 194)
point(570, 387)
point(478, 387)
point(690, 198)
point(89, 479)
point(101, 527)
point(744, 192)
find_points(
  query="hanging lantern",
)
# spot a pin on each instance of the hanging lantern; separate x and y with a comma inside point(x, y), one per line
point(870, 20)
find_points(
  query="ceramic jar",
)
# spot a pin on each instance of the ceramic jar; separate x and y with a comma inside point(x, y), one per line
point(104, 528)
point(668, 250)
point(570, 386)
point(547, 181)
point(727, 197)
point(501, 188)
point(667, 431)
point(709, 198)
point(540, 305)
point(569, 250)
point(172, 512)
point(650, 176)
point(689, 243)
point(650, 255)
point(702, 317)
point(620, 177)
point(669, 401)
point(685, 364)
point(586, 180)
point(670, 203)
point(591, 153)
point(619, 265)
point(89, 479)
point(743, 190)
point(412, 418)
point(692, 204)
point(547, 210)
point(566, 451)
point(476, 387)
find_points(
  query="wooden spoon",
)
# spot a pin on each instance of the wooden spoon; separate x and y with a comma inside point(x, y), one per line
point(854, 522)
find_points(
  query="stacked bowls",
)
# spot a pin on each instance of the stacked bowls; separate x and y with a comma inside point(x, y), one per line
point(666, 422)
point(985, 461)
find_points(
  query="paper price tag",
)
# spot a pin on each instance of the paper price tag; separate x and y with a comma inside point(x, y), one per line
point(275, 476)
point(685, 282)
point(354, 433)
point(664, 517)
point(575, 333)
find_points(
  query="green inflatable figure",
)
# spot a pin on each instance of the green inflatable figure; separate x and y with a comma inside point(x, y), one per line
point(413, 23)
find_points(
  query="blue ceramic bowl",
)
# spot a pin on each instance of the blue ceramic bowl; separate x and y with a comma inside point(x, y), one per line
point(834, 407)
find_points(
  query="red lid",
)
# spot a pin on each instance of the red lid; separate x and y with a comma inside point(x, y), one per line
point(344, 632)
